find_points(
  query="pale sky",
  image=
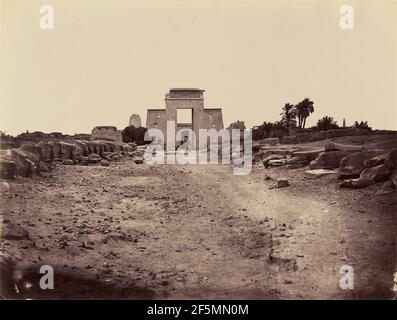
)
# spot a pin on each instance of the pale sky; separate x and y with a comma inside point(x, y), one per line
point(105, 60)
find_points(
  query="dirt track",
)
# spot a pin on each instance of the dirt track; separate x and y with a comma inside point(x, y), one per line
point(135, 231)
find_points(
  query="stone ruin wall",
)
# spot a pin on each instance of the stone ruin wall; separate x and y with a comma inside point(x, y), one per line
point(108, 133)
point(156, 118)
point(212, 118)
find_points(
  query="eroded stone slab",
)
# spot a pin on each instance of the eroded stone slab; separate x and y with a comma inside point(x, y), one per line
point(318, 173)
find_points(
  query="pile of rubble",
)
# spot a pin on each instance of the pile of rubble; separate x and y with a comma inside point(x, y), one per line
point(354, 165)
point(29, 159)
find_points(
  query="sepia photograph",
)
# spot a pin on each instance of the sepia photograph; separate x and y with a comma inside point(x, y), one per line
point(176, 150)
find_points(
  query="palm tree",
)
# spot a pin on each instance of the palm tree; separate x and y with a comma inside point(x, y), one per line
point(361, 125)
point(268, 129)
point(303, 110)
point(326, 123)
point(288, 116)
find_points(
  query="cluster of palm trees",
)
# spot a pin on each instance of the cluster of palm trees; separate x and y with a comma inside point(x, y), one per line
point(293, 116)
point(292, 113)
point(361, 125)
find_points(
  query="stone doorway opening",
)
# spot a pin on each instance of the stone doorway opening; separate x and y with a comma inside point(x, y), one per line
point(184, 122)
point(184, 116)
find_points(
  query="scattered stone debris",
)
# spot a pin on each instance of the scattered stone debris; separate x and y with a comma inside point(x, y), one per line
point(355, 166)
point(352, 165)
point(271, 158)
point(317, 173)
point(282, 183)
point(41, 157)
point(393, 177)
point(328, 159)
point(377, 173)
point(12, 231)
point(4, 186)
point(68, 162)
point(303, 157)
point(386, 188)
point(356, 183)
point(44, 167)
point(8, 169)
point(283, 263)
point(94, 158)
point(375, 161)
point(277, 162)
point(370, 175)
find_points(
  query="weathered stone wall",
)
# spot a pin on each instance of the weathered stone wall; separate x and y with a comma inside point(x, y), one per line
point(156, 118)
point(321, 135)
point(108, 133)
point(212, 118)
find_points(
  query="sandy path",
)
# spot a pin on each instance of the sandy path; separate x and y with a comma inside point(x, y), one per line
point(135, 231)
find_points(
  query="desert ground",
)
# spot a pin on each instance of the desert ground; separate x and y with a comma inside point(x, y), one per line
point(196, 232)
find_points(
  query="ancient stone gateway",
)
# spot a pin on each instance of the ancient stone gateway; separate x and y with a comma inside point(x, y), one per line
point(185, 106)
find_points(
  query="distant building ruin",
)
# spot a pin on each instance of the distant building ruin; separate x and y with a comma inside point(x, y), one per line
point(135, 120)
point(186, 107)
point(109, 133)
